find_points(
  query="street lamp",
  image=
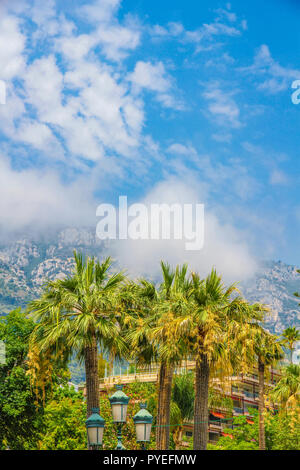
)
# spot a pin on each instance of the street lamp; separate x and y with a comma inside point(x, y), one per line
point(143, 422)
point(95, 427)
point(119, 402)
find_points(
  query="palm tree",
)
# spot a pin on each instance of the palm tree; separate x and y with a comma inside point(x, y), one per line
point(138, 319)
point(264, 349)
point(290, 336)
point(77, 315)
point(174, 293)
point(150, 340)
point(200, 327)
point(287, 390)
point(210, 321)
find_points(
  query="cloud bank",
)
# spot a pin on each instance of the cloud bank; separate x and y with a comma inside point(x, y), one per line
point(225, 247)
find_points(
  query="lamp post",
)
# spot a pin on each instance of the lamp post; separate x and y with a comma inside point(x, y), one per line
point(143, 422)
point(119, 402)
point(95, 427)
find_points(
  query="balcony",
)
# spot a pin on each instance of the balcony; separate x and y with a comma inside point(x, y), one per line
point(252, 378)
point(251, 395)
point(236, 391)
point(238, 411)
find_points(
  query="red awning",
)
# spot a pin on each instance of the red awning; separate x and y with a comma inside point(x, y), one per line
point(227, 435)
point(217, 415)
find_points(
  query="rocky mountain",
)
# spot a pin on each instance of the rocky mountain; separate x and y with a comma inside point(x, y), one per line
point(26, 263)
point(274, 285)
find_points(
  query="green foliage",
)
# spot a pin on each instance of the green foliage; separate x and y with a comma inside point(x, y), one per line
point(63, 426)
point(183, 394)
point(218, 400)
point(244, 435)
point(102, 364)
point(131, 369)
point(290, 336)
point(282, 433)
point(15, 329)
point(287, 390)
point(19, 415)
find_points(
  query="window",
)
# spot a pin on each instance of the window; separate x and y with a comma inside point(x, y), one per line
point(213, 436)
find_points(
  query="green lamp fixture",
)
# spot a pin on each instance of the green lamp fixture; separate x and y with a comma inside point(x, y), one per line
point(95, 428)
point(119, 403)
point(143, 423)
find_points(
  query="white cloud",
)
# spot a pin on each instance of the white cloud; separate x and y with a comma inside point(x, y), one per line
point(278, 177)
point(221, 62)
point(100, 11)
point(224, 247)
point(171, 30)
point(12, 47)
point(222, 137)
point(222, 106)
point(230, 16)
point(205, 38)
point(97, 117)
point(37, 199)
point(116, 39)
point(40, 137)
point(44, 87)
point(275, 77)
point(150, 76)
point(73, 47)
point(244, 25)
point(181, 149)
point(154, 77)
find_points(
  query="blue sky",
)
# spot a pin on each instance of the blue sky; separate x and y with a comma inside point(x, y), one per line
point(182, 100)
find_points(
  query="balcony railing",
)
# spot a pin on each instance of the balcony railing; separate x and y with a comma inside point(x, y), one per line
point(238, 410)
point(251, 394)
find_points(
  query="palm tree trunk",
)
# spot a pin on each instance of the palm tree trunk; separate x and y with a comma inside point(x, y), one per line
point(92, 378)
point(261, 404)
point(162, 370)
point(177, 437)
point(291, 354)
point(201, 403)
point(164, 403)
point(165, 442)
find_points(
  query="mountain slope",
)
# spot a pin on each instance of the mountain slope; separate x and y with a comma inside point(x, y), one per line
point(274, 285)
point(25, 264)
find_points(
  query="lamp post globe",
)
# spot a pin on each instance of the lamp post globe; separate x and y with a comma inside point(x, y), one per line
point(119, 403)
point(143, 423)
point(95, 428)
